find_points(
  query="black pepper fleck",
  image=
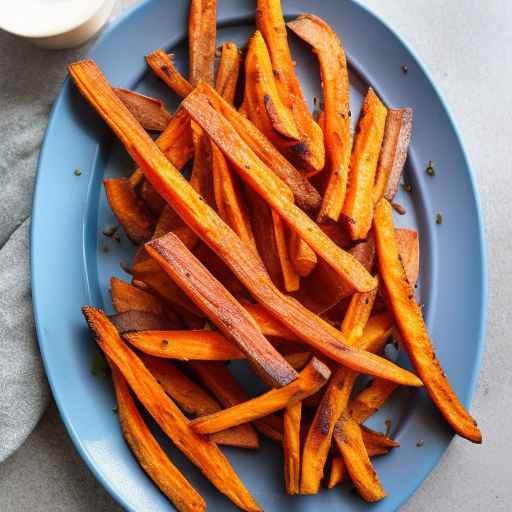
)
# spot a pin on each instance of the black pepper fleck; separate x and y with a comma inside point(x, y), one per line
point(420, 443)
point(405, 68)
point(407, 187)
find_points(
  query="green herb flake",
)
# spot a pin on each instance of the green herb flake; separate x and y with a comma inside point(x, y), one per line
point(99, 367)
point(77, 172)
point(430, 169)
point(439, 218)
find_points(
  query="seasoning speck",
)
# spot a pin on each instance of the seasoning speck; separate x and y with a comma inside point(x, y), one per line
point(439, 218)
point(420, 443)
point(164, 343)
point(407, 187)
point(398, 208)
point(99, 366)
point(405, 68)
point(77, 172)
point(105, 248)
point(117, 238)
point(114, 409)
point(110, 230)
point(430, 169)
point(388, 424)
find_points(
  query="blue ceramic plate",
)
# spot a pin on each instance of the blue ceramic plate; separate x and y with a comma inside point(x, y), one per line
point(70, 267)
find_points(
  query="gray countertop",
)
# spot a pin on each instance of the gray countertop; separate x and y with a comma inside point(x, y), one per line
point(466, 47)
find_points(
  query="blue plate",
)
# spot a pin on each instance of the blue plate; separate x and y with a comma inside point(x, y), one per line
point(70, 267)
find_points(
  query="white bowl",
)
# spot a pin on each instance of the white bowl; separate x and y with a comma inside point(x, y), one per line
point(55, 24)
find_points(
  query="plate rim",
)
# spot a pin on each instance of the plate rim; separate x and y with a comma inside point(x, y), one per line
point(483, 268)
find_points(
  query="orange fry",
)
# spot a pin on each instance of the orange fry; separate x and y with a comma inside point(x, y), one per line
point(337, 474)
point(358, 207)
point(349, 441)
point(150, 455)
point(397, 135)
point(185, 345)
point(312, 378)
point(192, 399)
point(303, 257)
point(129, 210)
point(163, 67)
point(309, 151)
point(150, 112)
point(414, 335)
point(227, 73)
point(291, 279)
point(221, 308)
point(336, 113)
point(202, 30)
point(199, 449)
point(291, 447)
point(370, 399)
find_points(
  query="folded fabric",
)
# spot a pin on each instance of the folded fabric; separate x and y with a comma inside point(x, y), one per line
point(24, 393)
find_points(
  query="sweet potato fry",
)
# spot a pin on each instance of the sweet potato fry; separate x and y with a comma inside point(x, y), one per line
point(291, 279)
point(221, 308)
point(306, 196)
point(357, 315)
point(126, 297)
point(335, 399)
point(227, 73)
point(264, 235)
point(185, 345)
point(201, 178)
point(408, 245)
point(154, 203)
point(291, 447)
point(349, 441)
point(134, 320)
point(220, 382)
point(150, 273)
point(175, 189)
point(336, 119)
point(268, 324)
point(163, 67)
point(199, 449)
point(298, 359)
point(358, 206)
point(267, 111)
point(409, 319)
point(337, 474)
point(309, 151)
point(192, 399)
point(129, 210)
point(323, 289)
point(228, 194)
point(375, 440)
point(370, 399)
point(202, 30)
point(397, 135)
point(228, 198)
point(169, 220)
point(175, 142)
point(150, 455)
point(150, 112)
point(303, 257)
point(312, 378)
point(257, 174)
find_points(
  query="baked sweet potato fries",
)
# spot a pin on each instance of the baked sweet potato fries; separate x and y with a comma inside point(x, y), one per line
point(249, 260)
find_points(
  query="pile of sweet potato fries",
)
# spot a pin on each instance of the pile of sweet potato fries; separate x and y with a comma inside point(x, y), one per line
point(280, 249)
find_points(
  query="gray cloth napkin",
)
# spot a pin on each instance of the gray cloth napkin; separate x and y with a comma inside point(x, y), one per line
point(29, 82)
